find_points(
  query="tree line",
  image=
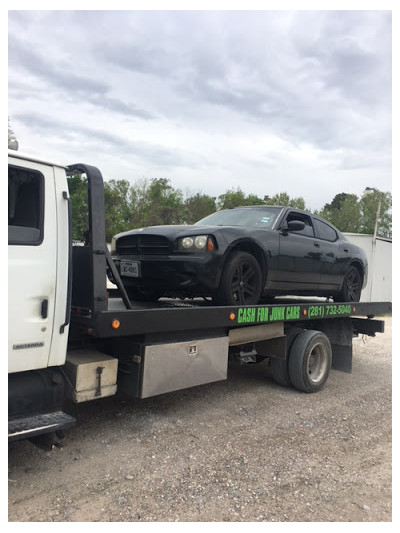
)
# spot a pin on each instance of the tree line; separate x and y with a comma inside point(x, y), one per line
point(156, 202)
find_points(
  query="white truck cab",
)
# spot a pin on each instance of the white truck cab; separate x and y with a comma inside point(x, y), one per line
point(38, 263)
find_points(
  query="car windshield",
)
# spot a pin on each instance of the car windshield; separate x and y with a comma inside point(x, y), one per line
point(251, 217)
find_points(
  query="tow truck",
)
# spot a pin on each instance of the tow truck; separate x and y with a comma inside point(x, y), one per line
point(73, 338)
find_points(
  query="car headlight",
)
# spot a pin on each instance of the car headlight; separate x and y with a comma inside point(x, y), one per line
point(199, 243)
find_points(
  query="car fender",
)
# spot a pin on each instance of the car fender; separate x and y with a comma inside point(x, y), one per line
point(265, 255)
point(363, 267)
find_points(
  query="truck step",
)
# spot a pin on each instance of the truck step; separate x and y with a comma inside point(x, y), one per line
point(23, 428)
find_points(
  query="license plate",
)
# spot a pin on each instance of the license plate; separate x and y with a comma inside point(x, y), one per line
point(130, 268)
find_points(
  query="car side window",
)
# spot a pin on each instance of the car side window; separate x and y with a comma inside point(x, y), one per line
point(325, 231)
point(25, 206)
point(308, 230)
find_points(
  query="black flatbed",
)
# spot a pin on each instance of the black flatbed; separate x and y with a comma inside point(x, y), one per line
point(170, 315)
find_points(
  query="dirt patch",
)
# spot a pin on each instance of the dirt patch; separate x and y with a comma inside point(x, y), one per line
point(241, 450)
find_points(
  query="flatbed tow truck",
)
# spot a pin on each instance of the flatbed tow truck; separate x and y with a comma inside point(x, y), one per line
point(72, 338)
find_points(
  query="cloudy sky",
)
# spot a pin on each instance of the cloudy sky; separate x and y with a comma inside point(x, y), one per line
point(265, 101)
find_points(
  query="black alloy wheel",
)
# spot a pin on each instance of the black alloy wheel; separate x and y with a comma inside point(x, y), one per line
point(351, 289)
point(241, 281)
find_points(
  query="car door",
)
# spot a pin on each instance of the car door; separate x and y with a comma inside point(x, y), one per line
point(333, 255)
point(32, 264)
point(299, 254)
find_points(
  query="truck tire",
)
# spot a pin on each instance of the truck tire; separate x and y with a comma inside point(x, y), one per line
point(279, 367)
point(310, 360)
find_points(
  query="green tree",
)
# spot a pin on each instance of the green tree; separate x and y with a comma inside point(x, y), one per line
point(237, 198)
point(344, 212)
point(376, 204)
point(156, 202)
point(78, 187)
point(283, 199)
point(351, 214)
point(116, 207)
point(198, 206)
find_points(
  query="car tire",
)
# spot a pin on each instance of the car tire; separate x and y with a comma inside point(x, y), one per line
point(279, 367)
point(241, 281)
point(310, 361)
point(351, 288)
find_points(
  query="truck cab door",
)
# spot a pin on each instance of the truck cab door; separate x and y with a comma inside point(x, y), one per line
point(32, 260)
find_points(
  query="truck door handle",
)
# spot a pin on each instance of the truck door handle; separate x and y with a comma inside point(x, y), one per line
point(44, 306)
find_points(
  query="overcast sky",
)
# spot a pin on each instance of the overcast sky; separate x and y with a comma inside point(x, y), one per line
point(264, 101)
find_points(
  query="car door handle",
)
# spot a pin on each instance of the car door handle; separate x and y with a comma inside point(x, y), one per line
point(44, 306)
point(345, 249)
point(316, 244)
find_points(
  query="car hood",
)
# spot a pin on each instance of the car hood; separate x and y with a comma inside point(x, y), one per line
point(225, 235)
point(182, 230)
point(166, 230)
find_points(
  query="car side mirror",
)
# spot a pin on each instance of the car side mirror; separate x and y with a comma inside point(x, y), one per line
point(295, 225)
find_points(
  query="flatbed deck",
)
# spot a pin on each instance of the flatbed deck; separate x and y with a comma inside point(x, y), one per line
point(169, 315)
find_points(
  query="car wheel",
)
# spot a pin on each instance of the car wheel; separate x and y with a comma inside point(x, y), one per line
point(310, 361)
point(241, 280)
point(279, 367)
point(351, 288)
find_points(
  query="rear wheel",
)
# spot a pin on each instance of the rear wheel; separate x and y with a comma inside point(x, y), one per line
point(310, 361)
point(351, 288)
point(279, 367)
point(241, 281)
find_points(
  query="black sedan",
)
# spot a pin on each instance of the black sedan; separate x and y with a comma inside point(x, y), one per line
point(237, 256)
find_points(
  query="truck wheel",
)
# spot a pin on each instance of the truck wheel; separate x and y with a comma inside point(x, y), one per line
point(310, 360)
point(241, 281)
point(279, 367)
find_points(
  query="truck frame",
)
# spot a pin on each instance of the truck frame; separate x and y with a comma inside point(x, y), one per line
point(75, 339)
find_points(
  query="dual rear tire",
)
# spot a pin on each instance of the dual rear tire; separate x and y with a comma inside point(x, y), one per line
point(308, 360)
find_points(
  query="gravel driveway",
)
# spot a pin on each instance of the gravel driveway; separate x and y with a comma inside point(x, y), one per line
point(240, 450)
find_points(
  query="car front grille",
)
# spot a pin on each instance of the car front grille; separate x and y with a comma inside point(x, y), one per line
point(143, 245)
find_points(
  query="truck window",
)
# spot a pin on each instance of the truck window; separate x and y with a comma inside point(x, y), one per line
point(25, 206)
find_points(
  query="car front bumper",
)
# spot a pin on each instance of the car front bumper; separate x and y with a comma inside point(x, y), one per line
point(175, 272)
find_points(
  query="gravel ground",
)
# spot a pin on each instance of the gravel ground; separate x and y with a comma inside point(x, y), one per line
point(241, 450)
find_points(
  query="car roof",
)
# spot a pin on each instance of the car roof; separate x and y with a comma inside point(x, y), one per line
point(289, 208)
point(265, 205)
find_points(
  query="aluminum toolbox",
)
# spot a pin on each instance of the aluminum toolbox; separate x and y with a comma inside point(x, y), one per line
point(179, 365)
point(90, 375)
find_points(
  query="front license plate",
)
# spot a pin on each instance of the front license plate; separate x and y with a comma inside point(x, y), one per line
point(130, 268)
